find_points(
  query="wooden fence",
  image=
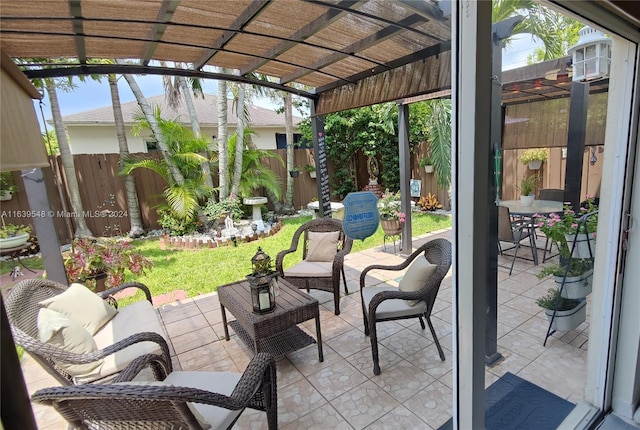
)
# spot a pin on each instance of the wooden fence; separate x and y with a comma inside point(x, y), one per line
point(104, 200)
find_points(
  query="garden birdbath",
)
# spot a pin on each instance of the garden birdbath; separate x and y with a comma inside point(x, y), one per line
point(257, 215)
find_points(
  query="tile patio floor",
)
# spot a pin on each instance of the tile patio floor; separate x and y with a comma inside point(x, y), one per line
point(414, 390)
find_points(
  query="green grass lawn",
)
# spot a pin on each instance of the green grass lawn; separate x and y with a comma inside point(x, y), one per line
point(202, 271)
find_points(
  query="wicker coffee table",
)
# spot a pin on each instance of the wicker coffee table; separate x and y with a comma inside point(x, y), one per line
point(275, 332)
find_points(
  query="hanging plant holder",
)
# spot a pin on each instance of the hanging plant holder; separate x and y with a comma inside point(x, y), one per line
point(535, 164)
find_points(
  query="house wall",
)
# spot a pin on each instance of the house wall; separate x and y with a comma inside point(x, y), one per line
point(101, 139)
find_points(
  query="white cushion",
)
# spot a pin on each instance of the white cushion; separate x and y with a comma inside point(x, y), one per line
point(61, 331)
point(83, 306)
point(322, 246)
point(417, 275)
point(392, 308)
point(307, 269)
point(135, 318)
point(217, 382)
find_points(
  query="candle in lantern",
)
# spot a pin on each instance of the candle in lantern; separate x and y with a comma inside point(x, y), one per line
point(264, 300)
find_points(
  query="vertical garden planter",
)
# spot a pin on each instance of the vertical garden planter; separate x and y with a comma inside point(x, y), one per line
point(575, 287)
point(568, 320)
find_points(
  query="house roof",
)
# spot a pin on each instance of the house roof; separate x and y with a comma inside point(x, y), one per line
point(206, 110)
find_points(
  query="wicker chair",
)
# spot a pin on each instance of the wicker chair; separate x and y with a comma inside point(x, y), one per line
point(183, 400)
point(387, 303)
point(22, 311)
point(323, 276)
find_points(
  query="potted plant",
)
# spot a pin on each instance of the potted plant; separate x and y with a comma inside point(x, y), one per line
point(427, 164)
point(7, 187)
point(573, 277)
point(12, 235)
point(311, 169)
point(527, 187)
point(391, 218)
point(295, 172)
point(569, 313)
point(534, 157)
point(97, 261)
point(565, 229)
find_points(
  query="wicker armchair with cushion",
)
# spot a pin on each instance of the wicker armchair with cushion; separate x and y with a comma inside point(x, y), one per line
point(323, 250)
point(76, 335)
point(182, 400)
point(413, 298)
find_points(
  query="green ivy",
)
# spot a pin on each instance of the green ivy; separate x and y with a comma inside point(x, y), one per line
point(371, 130)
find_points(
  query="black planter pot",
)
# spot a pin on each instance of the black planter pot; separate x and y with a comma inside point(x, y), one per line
point(294, 173)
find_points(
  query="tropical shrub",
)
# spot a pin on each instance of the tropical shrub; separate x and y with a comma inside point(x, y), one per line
point(183, 199)
point(91, 257)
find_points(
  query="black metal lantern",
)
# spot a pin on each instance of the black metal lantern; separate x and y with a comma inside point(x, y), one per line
point(262, 281)
point(260, 263)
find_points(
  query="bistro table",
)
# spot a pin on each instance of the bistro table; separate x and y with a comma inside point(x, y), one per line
point(275, 332)
point(539, 207)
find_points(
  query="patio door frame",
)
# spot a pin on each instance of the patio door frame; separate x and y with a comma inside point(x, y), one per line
point(608, 361)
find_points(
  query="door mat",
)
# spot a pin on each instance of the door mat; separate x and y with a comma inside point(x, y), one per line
point(513, 403)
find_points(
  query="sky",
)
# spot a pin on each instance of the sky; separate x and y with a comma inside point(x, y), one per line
point(92, 94)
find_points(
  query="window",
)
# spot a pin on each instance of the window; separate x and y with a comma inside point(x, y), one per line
point(151, 145)
point(281, 141)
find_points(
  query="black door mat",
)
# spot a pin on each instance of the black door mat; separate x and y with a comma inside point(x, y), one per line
point(513, 403)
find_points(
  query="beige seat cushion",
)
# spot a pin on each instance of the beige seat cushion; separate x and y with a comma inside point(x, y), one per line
point(417, 275)
point(83, 306)
point(392, 308)
point(322, 246)
point(218, 382)
point(307, 269)
point(61, 331)
point(135, 318)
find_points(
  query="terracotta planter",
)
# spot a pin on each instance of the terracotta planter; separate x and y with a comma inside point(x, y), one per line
point(583, 243)
point(576, 287)
point(391, 227)
point(568, 320)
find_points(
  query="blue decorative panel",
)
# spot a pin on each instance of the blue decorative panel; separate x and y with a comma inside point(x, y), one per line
point(361, 217)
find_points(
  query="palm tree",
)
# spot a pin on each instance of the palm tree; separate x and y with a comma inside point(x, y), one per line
point(545, 24)
point(155, 129)
point(288, 121)
point(183, 150)
point(241, 114)
point(129, 181)
point(176, 87)
point(82, 230)
point(254, 174)
point(223, 147)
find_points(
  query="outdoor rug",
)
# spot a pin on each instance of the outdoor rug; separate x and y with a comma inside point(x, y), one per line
point(513, 403)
